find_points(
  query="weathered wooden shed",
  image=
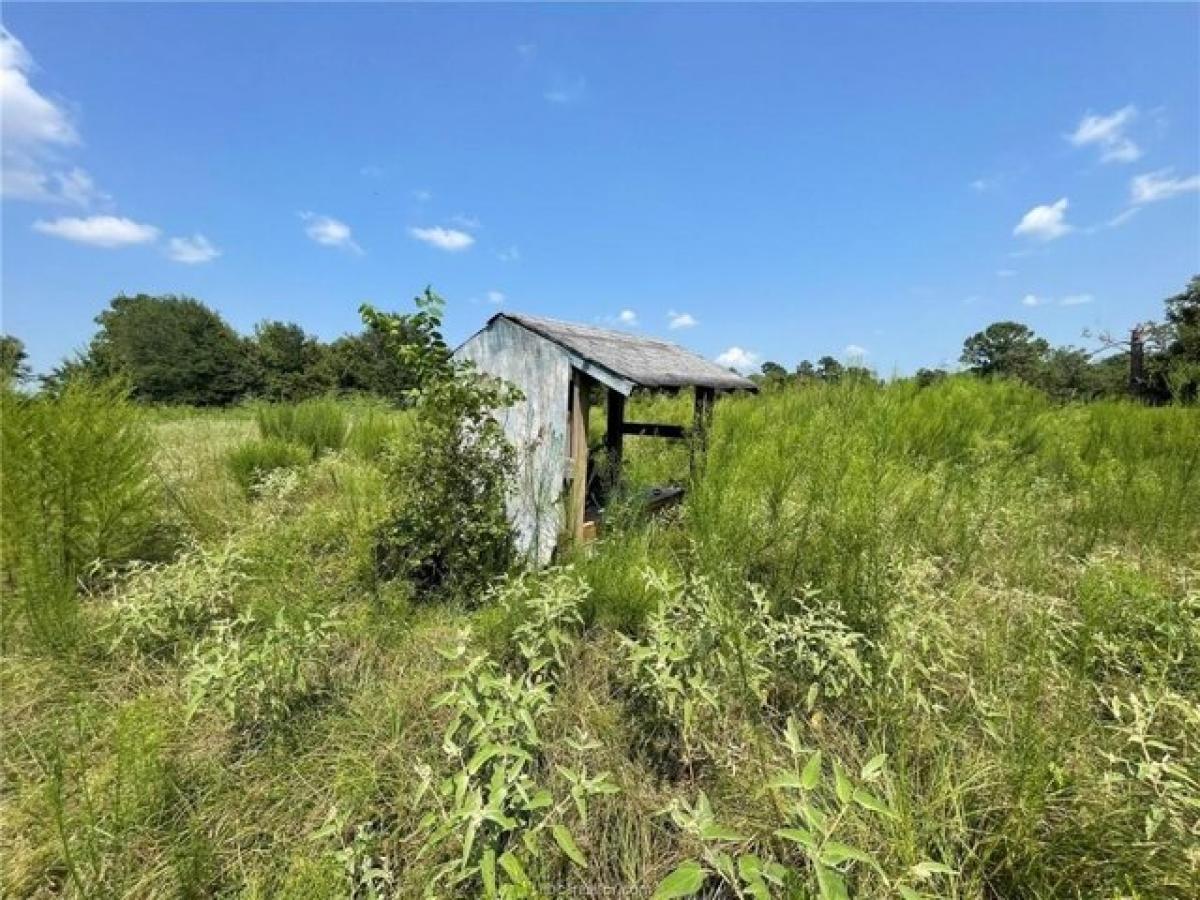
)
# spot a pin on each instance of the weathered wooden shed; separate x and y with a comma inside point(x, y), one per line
point(558, 366)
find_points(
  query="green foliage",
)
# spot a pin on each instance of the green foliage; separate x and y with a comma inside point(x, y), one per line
point(259, 673)
point(14, 361)
point(319, 425)
point(251, 462)
point(1005, 348)
point(170, 349)
point(447, 532)
point(496, 811)
point(78, 492)
point(288, 363)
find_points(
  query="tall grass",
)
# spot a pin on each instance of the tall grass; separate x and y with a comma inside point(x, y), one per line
point(976, 611)
point(319, 425)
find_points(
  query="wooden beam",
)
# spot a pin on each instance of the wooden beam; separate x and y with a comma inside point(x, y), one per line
point(614, 435)
point(701, 419)
point(577, 505)
point(652, 429)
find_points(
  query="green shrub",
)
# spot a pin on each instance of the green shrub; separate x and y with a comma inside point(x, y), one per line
point(78, 490)
point(251, 462)
point(447, 530)
point(319, 425)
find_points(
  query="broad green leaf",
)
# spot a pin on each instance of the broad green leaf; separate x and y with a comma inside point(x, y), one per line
point(482, 755)
point(487, 869)
point(834, 853)
point(564, 840)
point(830, 883)
point(909, 894)
point(757, 888)
point(685, 881)
point(867, 800)
point(749, 866)
point(715, 832)
point(540, 800)
point(845, 790)
point(812, 772)
point(801, 836)
point(516, 873)
point(873, 767)
point(928, 868)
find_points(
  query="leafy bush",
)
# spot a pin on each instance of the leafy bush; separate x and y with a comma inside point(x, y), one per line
point(318, 425)
point(159, 609)
point(705, 656)
point(447, 531)
point(252, 461)
point(78, 490)
point(258, 673)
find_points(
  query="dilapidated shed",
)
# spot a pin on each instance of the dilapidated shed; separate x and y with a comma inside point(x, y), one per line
point(558, 366)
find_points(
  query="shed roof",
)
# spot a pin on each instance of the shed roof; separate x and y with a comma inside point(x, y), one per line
point(644, 361)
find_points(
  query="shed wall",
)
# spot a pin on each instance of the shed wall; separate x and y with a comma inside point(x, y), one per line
point(536, 427)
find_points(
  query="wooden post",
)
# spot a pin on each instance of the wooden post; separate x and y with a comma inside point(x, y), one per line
point(701, 419)
point(577, 507)
point(614, 435)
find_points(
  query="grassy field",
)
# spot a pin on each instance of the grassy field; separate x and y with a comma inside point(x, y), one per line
point(896, 642)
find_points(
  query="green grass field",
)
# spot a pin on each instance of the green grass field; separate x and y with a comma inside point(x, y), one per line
point(896, 642)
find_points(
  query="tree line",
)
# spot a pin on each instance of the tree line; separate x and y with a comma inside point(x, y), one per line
point(176, 350)
point(1169, 351)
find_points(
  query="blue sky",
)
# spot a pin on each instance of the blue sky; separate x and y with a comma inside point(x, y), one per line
point(777, 182)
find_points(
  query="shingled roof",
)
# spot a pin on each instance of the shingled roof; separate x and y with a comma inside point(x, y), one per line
point(644, 361)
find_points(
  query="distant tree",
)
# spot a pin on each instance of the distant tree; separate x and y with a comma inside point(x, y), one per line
point(1180, 364)
point(1067, 373)
point(14, 365)
point(829, 369)
point(170, 349)
point(805, 371)
point(927, 377)
point(772, 374)
point(362, 363)
point(288, 362)
point(861, 374)
point(1005, 348)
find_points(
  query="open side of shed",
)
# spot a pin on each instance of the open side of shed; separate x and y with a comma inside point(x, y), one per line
point(557, 366)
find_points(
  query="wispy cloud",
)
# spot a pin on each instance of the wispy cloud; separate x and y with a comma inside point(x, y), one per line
point(496, 297)
point(1076, 299)
point(565, 91)
point(512, 253)
point(1046, 222)
point(855, 351)
point(422, 195)
point(329, 231)
point(462, 220)
point(677, 320)
point(450, 239)
point(1108, 133)
point(627, 317)
point(527, 51)
point(738, 358)
point(98, 231)
point(1161, 185)
point(35, 132)
point(192, 250)
point(983, 185)
point(1033, 300)
point(1005, 273)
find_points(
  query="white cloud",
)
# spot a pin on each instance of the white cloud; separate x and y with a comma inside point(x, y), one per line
point(34, 132)
point(496, 297)
point(1122, 217)
point(1045, 222)
point(738, 358)
point(471, 223)
point(1108, 133)
point(1005, 273)
point(983, 185)
point(1033, 300)
point(192, 250)
point(1076, 299)
point(627, 317)
point(98, 231)
point(509, 254)
point(1160, 185)
point(450, 239)
point(678, 320)
point(421, 195)
point(566, 90)
point(329, 231)
point(853, 350)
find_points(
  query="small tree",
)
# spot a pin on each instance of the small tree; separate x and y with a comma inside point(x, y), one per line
point(1005, 348)
point(447, 531)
